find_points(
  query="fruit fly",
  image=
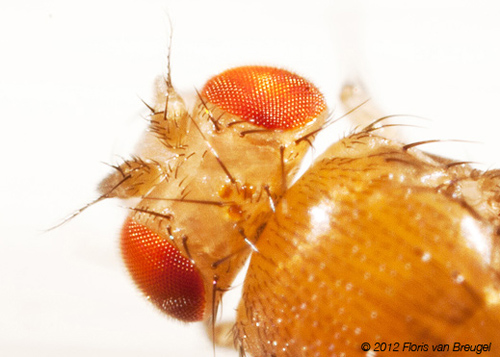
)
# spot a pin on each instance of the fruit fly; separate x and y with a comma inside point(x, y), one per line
point(378, 243)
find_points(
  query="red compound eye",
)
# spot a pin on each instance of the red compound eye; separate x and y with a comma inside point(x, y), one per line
point(166, 277)
point(266, 96)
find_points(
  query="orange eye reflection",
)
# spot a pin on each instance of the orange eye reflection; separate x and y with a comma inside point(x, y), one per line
point(266, 96)
point(162, 273)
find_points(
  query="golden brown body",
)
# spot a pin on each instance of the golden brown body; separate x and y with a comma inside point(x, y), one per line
point(376, 243)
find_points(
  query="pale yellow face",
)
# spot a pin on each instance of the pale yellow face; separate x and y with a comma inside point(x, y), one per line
point(208, 181)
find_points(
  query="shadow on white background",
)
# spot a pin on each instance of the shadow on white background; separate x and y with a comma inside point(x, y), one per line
point(71, 75)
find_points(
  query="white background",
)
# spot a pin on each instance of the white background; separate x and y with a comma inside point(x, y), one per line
point(72, 73)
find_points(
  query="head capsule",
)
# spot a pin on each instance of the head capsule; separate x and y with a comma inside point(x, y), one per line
point(207, 182)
